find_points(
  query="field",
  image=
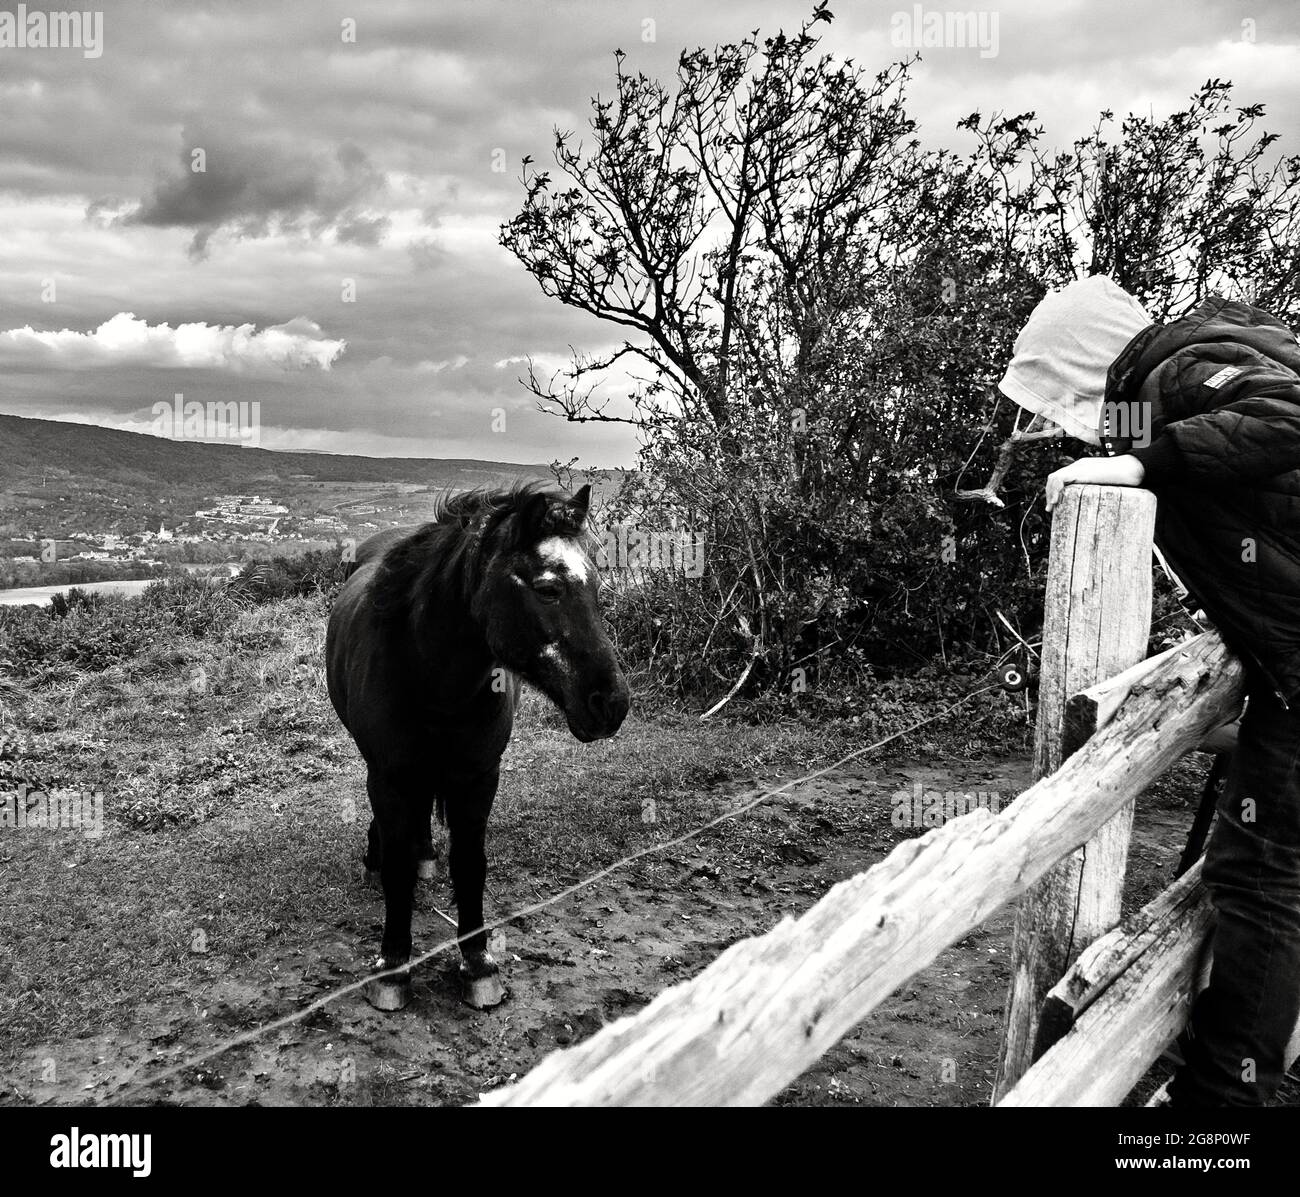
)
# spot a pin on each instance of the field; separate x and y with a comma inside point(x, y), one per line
point(226, 890)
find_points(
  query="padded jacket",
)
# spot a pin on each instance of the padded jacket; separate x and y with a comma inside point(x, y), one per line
point(1210, 404)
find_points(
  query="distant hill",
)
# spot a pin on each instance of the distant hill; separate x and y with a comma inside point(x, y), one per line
point(132, 459)
point(101, 496)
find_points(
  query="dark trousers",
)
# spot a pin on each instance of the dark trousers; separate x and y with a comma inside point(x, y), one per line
point(1236, 1038)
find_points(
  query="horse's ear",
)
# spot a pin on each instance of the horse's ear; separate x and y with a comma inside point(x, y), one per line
point(532, 518)
point(551, 515)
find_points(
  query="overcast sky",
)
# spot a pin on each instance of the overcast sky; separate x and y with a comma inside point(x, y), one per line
point(373, 161)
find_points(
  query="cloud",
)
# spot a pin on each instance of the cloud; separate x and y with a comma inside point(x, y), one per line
point(432, 367)
point(96, 190)
point(363, 230)
point(426, 253)
point(255, 187)
point(126, 340)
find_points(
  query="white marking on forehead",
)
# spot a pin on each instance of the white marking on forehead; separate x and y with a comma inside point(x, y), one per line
point(561, 553)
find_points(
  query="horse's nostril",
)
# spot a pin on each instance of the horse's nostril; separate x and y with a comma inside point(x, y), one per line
point(608, 708)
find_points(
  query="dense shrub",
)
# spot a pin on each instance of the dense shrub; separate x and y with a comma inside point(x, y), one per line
point(319, 571)
point(93, 631)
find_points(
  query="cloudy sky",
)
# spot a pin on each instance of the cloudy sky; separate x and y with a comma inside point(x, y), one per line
point(127, 277)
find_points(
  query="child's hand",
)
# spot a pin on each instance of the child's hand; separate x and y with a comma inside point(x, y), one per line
point(1101, 471)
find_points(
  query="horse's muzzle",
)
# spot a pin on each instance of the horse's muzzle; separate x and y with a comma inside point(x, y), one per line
point(606, 710)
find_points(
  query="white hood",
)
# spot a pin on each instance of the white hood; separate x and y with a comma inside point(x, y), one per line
point(1061, 357)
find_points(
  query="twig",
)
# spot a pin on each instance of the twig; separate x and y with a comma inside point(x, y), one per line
point(1017, 635)
point(817, 652)
point(1034, 431)
point(740, 681)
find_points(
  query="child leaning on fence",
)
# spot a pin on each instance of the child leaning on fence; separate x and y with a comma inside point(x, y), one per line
point(1205, 412)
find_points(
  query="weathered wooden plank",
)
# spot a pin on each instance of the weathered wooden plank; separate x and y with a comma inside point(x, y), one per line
point(1129, 995)
point(1107, 958)
point(1132, 992)
point(1096, 620)
point(1087, 710)
point(770, 1006)
point(1092, 708)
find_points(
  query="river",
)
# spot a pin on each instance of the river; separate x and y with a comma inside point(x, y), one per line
point(40, 595)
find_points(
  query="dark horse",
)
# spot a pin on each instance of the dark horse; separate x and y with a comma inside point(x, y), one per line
point(427, 641)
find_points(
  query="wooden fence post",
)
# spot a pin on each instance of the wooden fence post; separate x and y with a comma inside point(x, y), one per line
point(1096, 622)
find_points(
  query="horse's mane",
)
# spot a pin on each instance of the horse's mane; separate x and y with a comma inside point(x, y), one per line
point(468, 528)
point(463, 507)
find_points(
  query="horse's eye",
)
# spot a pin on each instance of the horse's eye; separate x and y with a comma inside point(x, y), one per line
point(548, 592)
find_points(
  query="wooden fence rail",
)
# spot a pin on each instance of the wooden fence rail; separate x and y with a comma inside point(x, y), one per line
point(1127, 996)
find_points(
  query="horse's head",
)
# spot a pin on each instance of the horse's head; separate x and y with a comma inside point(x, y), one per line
point(538, 607)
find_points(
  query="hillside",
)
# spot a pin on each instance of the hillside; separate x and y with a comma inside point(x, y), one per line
point(89, 453)
point(112, 505)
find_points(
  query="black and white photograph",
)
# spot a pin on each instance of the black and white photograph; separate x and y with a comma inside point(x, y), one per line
point(587, 553)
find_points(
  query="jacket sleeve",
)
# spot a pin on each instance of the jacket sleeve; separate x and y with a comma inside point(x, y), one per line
point(1255, 434)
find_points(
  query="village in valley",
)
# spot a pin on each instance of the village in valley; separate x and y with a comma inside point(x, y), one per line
point(105, 506)
point(57, 528)
point(76, 538)
point(230, 519)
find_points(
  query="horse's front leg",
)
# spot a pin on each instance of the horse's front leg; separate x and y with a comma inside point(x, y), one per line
point(468, 808)
point(397, 816)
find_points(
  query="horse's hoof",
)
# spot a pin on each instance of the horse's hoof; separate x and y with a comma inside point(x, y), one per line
point(480, 981)
point(483, 993)
point(388, 993)
point(374, 878)
point(427, 870)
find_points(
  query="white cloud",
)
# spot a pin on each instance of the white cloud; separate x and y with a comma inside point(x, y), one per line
point(431, 367)
point(545, 364)
point(125, 340)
